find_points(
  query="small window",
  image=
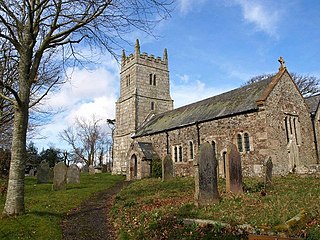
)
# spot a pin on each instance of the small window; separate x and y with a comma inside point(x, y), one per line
point(286, 127)
point(295, 130)
point(150, 78)
point(154, 80)
point(239, 141)
point(246, 142)
point(176, 154)
point(127, 80)
point(213, 144)
point(290, 124)
point(180, 153)
point(152, 105)
point(191, 150)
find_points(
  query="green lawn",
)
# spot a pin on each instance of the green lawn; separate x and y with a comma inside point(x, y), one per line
point(45, 208)
point(152, 209)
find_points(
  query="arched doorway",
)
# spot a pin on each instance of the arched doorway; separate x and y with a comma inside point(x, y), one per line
point(134, 163)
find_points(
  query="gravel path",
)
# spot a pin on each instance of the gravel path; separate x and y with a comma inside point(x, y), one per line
point(90, 220)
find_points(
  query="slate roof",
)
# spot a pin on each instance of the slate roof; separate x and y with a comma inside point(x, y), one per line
point(147, 150)
point(236, 101)
point(313, 102)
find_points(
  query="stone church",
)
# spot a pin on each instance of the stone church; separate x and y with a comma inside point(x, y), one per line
point(269, 118)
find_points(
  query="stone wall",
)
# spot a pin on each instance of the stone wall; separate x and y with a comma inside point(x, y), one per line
point(139, 99)
point(287, 115)
point(266, 129)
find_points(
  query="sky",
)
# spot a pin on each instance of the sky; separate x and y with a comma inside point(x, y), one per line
point(213, 46)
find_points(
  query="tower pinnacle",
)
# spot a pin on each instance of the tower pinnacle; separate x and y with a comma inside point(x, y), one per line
point(137, 48)
point(165, 55)
point(123, 56)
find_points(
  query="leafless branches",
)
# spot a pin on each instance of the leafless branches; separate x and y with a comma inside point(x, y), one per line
point(88, 139)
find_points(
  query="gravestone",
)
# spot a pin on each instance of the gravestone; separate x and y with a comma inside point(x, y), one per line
point(85, 169)
point(206, 179)
point(51, 174)
point(73, 174)
point(234, 170)
point(269, 166)
point(59, 176)
point(167, 168)
point(43, 172)
point(104, 168)
point(91, 169)
point(31, 172)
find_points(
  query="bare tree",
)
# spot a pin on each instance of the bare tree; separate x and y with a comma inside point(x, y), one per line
point(307, 84)
point(88, 139)
point(39, 30)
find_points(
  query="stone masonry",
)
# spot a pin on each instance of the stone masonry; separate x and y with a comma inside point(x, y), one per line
point(144, 91)
point(279, 126)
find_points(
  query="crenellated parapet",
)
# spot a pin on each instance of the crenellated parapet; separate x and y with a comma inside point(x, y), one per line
point(144, 58)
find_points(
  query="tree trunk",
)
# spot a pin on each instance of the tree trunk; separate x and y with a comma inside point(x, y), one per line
point(15, 194)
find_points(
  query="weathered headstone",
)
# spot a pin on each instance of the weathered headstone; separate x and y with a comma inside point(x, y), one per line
point(43, 172)
point(60, 176)
point(51, 174)
point(85, 169)
point(105, 168)
point(269, 166)
point(73, 174)
point(234, 175)
point(206, 179)
point(167, 168)
point(31, 172)
point(91, 169)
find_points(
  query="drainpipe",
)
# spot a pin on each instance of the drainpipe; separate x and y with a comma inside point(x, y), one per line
point(167, 135)
point(198, 133)
point(313, 119)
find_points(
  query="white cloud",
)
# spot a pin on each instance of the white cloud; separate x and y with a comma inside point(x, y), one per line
point(186, 6)
point(86, 93)
point(265, 18)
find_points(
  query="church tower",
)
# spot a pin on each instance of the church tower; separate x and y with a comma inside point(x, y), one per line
point(144, 91)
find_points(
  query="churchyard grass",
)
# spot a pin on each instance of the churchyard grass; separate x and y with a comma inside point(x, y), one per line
point(45, 208)
point(152, 209)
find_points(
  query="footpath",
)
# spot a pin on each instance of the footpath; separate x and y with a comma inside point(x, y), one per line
point(90, 220)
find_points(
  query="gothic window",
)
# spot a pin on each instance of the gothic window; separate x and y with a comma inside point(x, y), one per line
point(191, 149)
point(176, 154)
point(290, 125)
point(295, 130)
point(224, 165)
point(246, 142)
point(286, 127)
point(128, 80)
point(213, 144)
point(239, 141)
point(150, 78)
point(152, 105)
point(180, 154)
point(154, 80)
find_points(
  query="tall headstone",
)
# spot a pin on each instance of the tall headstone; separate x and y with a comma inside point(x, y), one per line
point(31, 172)
point(206, 179)
point(91, 169)
point(269, 166)
point(43, 172)
point(234, 175)
point(73, 174)
point(167, 168)
point(85, 169)
point(59, 176)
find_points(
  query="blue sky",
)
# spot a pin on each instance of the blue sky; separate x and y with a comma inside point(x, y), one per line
point(213, 46)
